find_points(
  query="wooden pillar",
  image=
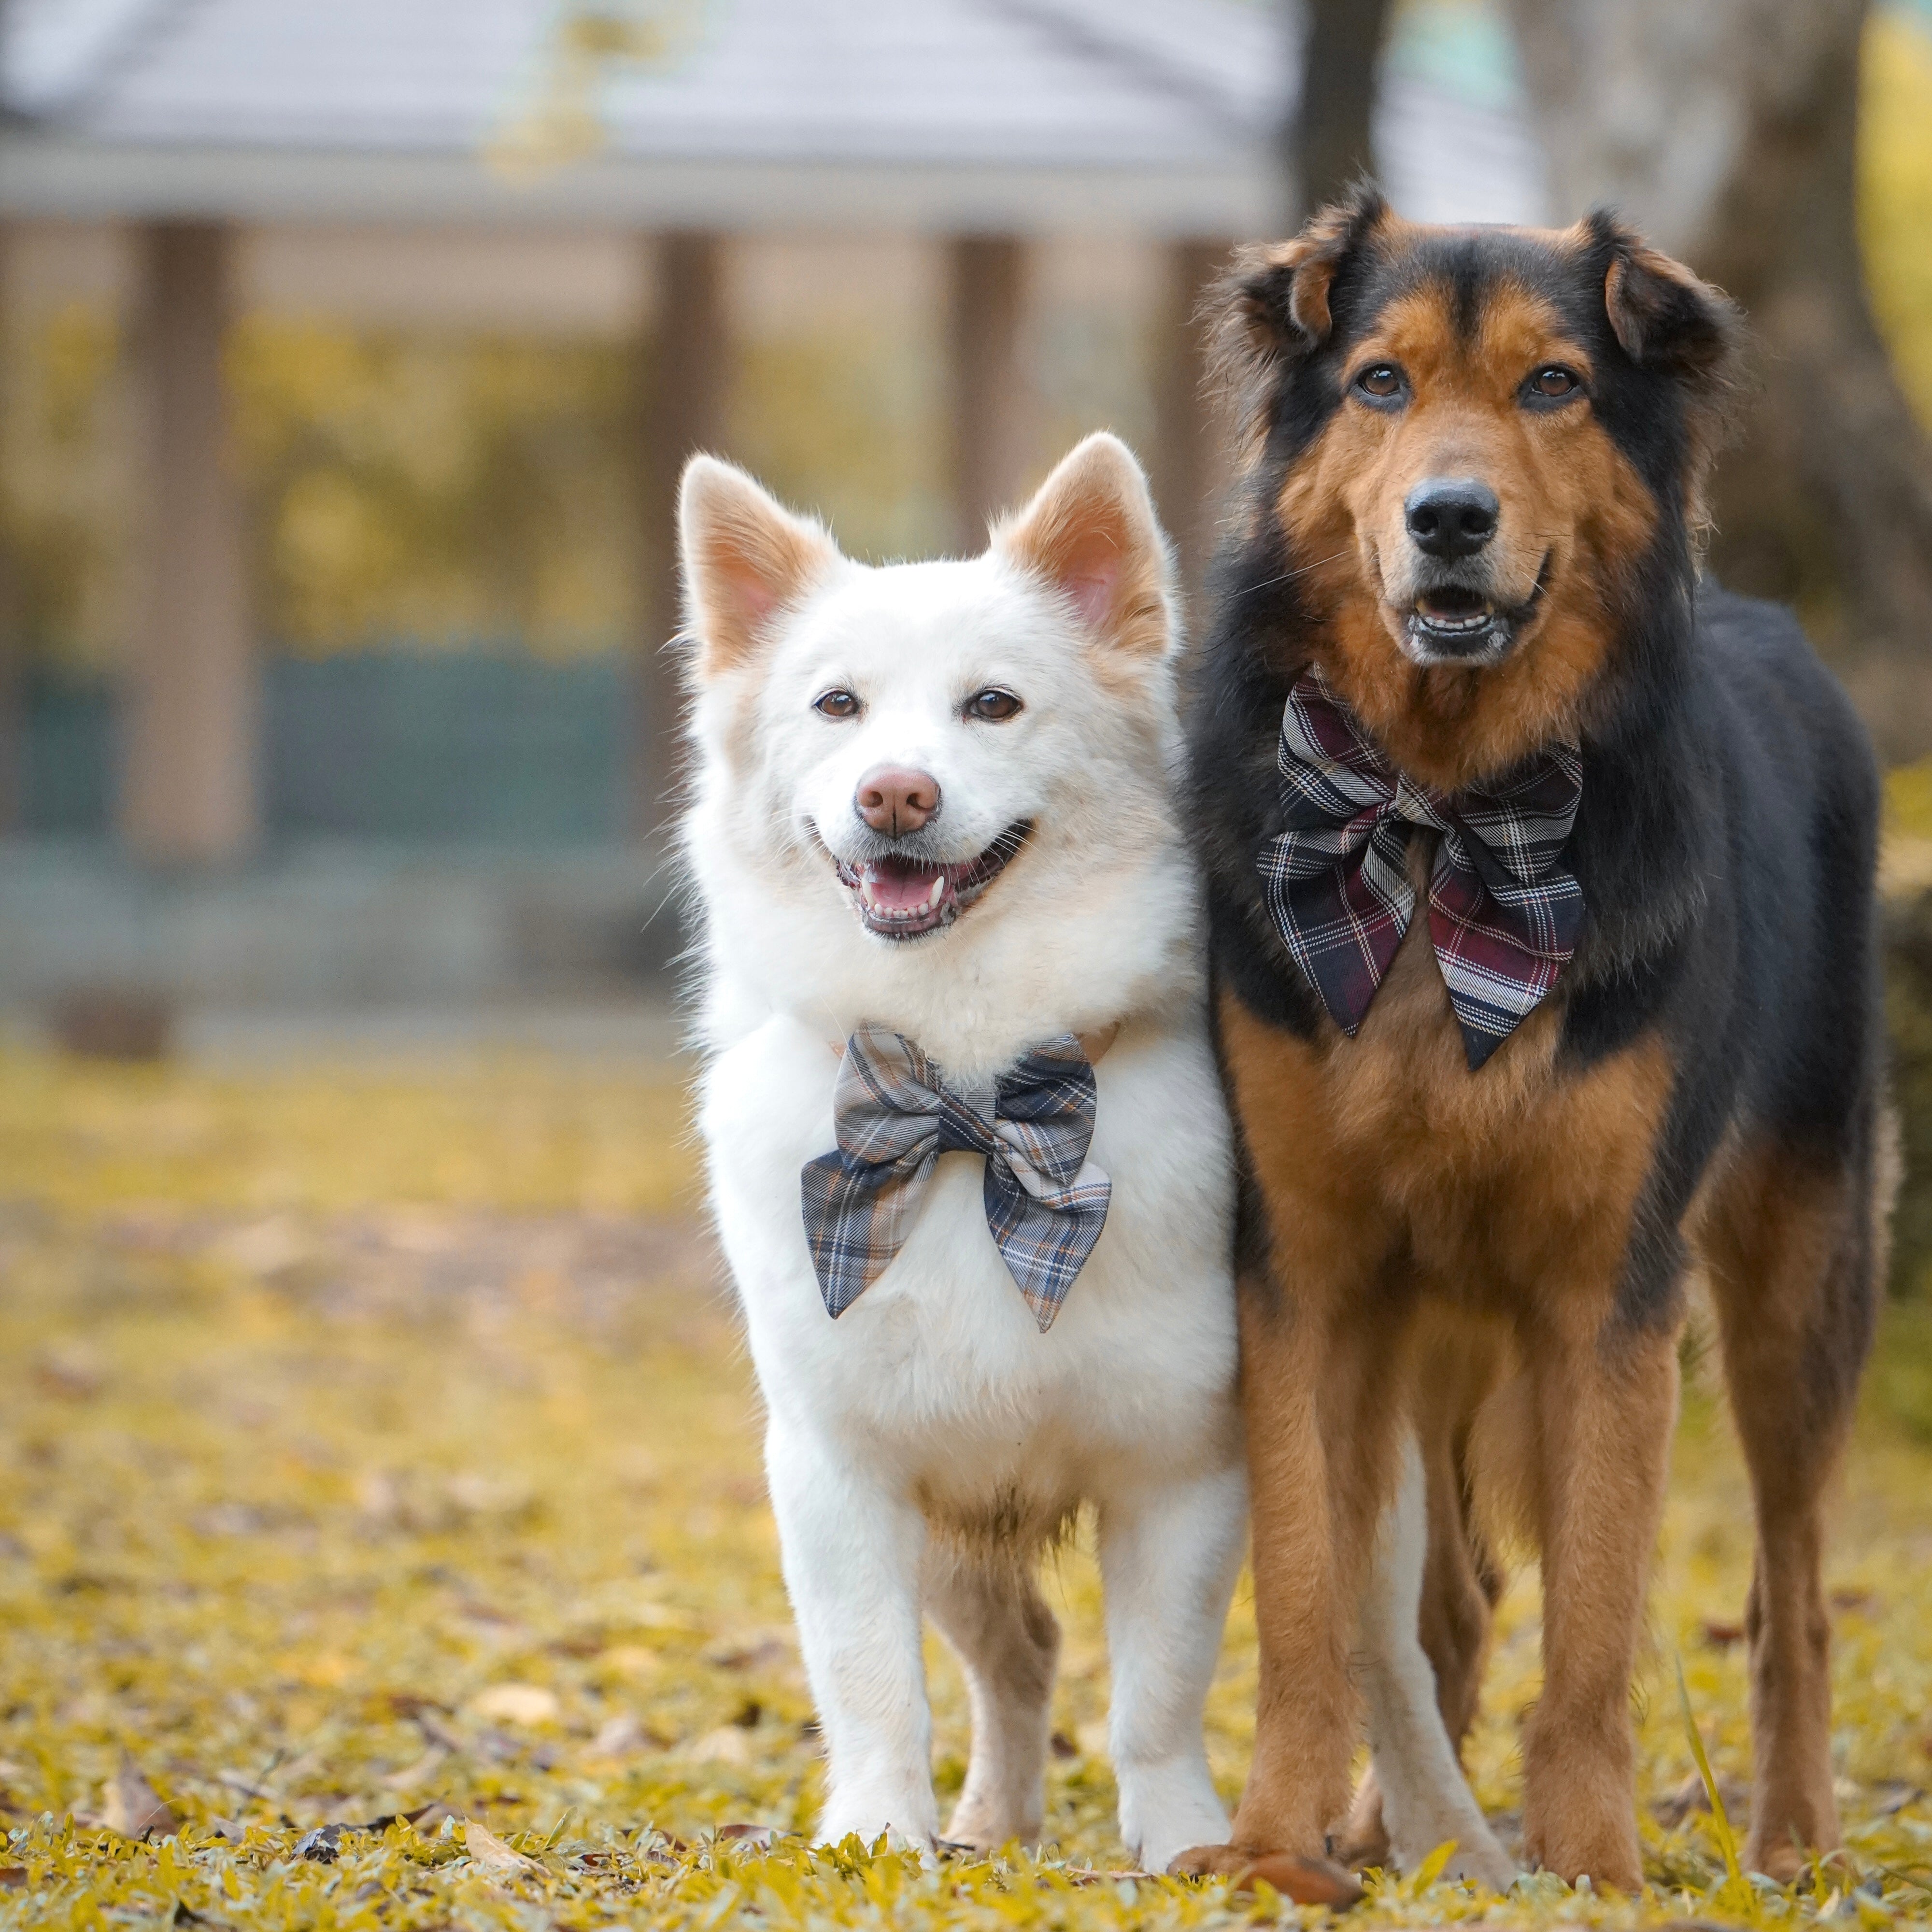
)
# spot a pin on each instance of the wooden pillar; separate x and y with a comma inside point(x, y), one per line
point(686, 383)
point(1189, 459)
point(11, 642)
point(191, 713)
point(993, 410)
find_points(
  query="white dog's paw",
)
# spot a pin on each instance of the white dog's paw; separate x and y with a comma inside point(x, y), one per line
point(906, 1824)
point(1166, 1808)
point(1477, 1855)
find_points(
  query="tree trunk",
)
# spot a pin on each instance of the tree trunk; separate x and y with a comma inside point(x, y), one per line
point(12, 650)
point(992, 402)
point(686, 384)
point(1189, 466)
point(1329, 143)
point(1727, 131)
point(191, 723)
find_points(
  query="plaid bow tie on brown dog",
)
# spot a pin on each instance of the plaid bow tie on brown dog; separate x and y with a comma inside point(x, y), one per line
point(1504, 914)
point(895, 1115)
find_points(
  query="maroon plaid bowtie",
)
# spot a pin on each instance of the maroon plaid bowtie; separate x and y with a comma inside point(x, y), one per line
point(1503, 915)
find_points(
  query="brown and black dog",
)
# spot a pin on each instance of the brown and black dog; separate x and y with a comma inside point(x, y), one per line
point(1474, 478)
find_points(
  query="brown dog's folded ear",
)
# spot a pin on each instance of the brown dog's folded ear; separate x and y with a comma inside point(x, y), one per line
point(744, 558)
point(1272, 305)
point(1091, 533)
point(1666, 318)
point(1661, 313)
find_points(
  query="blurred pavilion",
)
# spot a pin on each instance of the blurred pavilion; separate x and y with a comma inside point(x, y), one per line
point(519, 150)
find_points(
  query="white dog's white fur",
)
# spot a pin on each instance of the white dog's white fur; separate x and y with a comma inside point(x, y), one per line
point(923, 1448)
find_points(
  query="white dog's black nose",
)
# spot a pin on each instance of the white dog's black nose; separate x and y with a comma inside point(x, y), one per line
point(1449, 518)
point(895, 801)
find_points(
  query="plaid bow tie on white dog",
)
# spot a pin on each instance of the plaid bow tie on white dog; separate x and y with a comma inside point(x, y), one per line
point(894, 1116)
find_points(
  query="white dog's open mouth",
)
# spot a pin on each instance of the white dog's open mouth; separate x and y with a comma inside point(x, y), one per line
point(900, 897)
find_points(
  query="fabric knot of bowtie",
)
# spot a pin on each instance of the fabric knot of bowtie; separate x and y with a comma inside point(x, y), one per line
point(1503, 915)
point(894, 1115)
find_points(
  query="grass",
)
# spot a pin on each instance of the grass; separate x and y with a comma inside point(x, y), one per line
point(373, 1443)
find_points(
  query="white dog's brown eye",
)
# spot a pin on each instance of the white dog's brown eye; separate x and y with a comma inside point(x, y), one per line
point(992, 706)
point(836, 703)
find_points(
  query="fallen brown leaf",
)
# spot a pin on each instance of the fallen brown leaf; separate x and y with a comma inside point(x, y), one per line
point(422, 1769)
point(620, 1735)
point(1891, 1795)
point(74, 1374)
point(728, 1744)
point(1303, 1881)
point(489, 1853)
point(1672, 1809)
point(133, 1807)
point(1721, 1636)
point(12, 1877)
point(766, 1653)
point(410, 1704)
point(1062, 1746)
point(517, 1704)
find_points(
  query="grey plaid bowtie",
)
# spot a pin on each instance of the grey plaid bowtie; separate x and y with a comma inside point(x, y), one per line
point(894, 1115)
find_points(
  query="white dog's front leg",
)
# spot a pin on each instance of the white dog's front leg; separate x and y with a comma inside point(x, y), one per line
point(1426, 1799)
point(852, 1551)
point(1168, 1558)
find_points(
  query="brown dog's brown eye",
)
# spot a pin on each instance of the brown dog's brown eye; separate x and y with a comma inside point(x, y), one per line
point(1554, 381)
point(836, 704)
point(1380, 378)
point(992, 706)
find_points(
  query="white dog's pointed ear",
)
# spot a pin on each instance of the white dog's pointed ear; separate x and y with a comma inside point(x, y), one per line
point(744, 558)
point(1091, 533)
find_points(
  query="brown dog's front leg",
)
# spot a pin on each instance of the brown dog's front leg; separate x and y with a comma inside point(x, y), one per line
point(1605, 1396)
point(1322, 1400)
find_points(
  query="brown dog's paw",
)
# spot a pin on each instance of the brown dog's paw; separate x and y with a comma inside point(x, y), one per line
point(1301, 1881)
point(1785, 1864)
point(1209, 1861)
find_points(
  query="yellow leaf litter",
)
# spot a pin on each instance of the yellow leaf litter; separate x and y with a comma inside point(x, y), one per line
point(382, 1544)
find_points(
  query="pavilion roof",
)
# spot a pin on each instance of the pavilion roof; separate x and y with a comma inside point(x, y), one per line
point(1028, 115)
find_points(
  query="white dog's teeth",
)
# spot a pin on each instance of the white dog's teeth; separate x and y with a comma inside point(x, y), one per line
point(938, 890)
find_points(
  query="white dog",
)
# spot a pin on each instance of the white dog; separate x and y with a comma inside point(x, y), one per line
point(948, 908)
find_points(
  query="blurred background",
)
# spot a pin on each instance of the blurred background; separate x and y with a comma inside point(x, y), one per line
point(370, 1436)
point(348, 354)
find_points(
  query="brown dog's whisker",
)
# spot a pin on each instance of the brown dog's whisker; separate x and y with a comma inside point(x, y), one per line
point(1269, 582)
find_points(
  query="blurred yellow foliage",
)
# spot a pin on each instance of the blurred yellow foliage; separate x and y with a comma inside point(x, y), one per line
point(1895, 191)
point(63, 497)
point(524, 1133)
point(442, 489)
point(592, 47)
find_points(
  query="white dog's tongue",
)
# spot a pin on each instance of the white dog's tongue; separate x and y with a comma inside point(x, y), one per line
point(895, 887)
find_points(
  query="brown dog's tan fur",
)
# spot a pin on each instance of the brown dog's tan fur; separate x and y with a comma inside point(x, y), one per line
point(1483, 1252)
point(1509, 1197)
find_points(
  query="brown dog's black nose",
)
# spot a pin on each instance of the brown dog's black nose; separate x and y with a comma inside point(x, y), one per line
point(894, 801)
point(1451, 518)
